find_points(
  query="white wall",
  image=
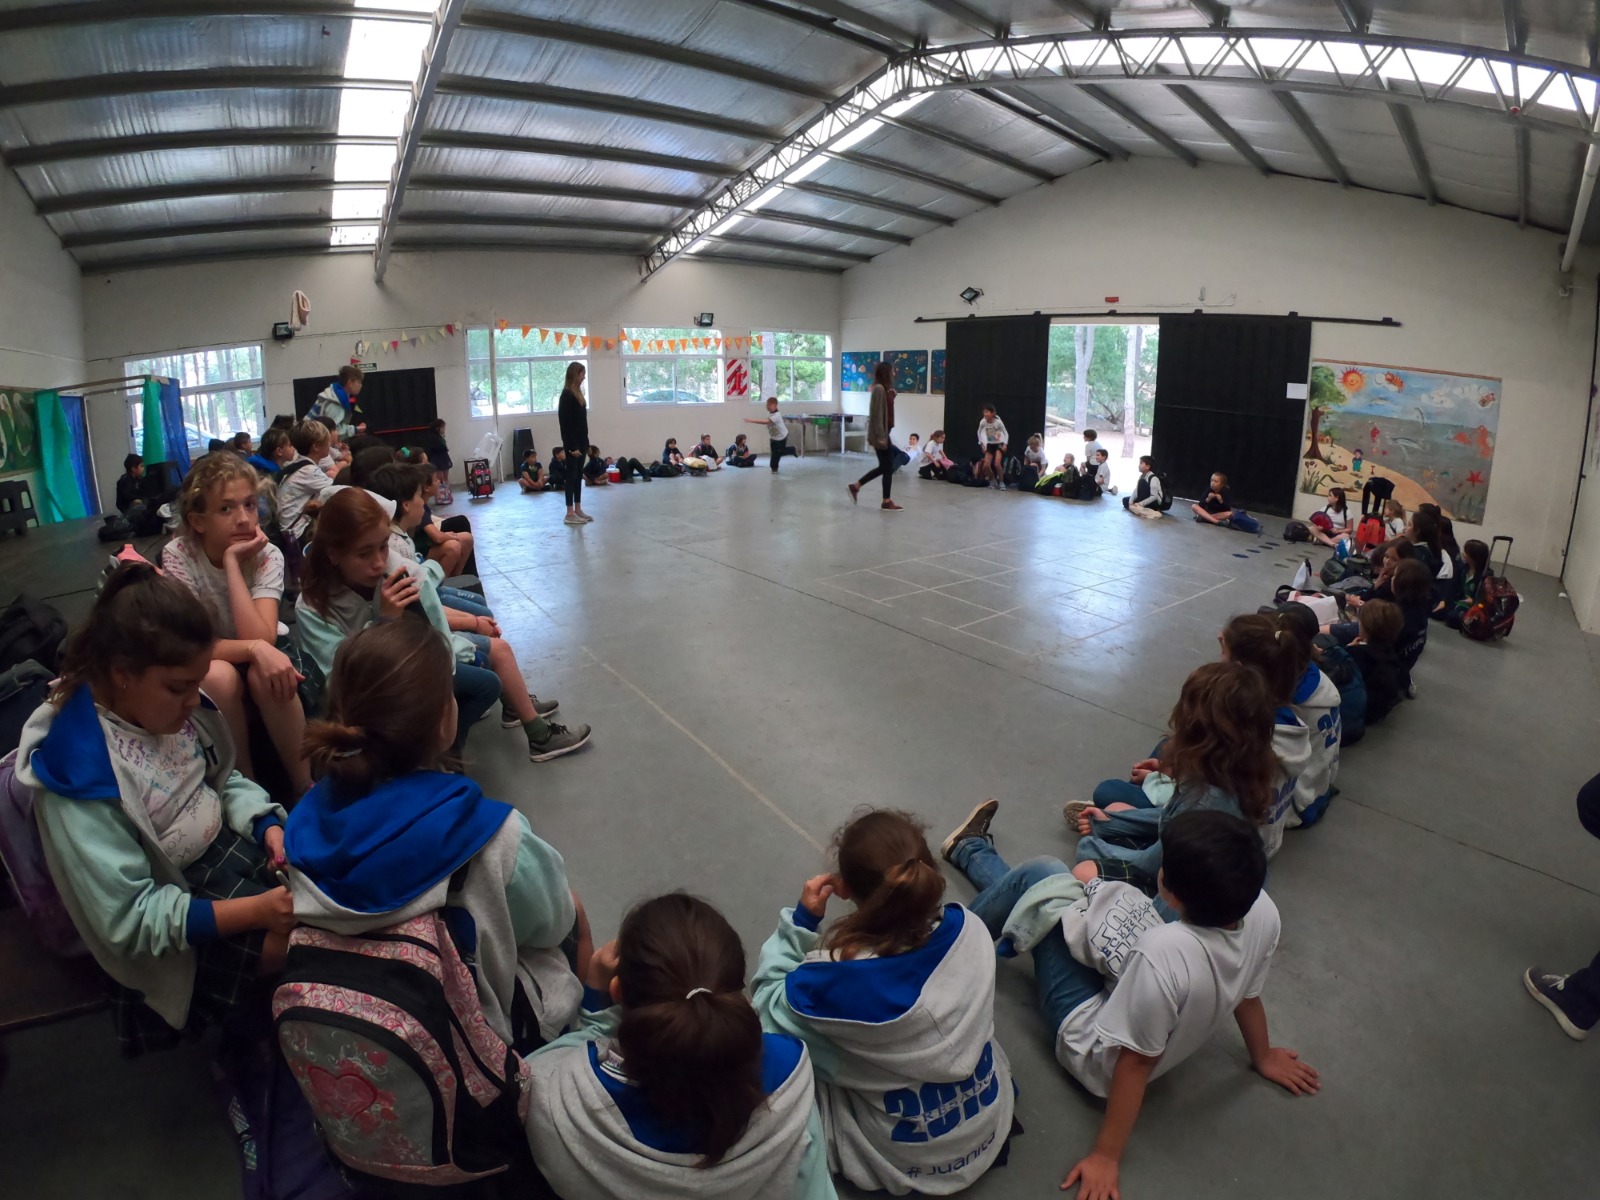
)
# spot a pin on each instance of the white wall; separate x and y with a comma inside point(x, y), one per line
point(1474, 294)
point(1582, 574)
point(173, 308)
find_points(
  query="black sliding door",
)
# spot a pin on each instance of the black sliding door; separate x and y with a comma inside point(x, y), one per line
point(396, 405)
point(1222, 404)
point(1001, 361)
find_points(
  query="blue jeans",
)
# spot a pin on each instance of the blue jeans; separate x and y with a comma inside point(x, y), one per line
point(1120, 791)
point(1064, 983)
point(464, 601)
point(476, 691)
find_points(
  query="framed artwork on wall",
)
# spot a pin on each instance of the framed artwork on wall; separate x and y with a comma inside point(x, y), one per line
point(856, 373)
point(936, 380)
point(910, 370)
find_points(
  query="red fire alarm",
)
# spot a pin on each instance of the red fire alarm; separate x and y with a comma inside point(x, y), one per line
point(1113, 299)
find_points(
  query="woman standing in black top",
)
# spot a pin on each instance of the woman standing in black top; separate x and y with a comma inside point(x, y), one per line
point(573, 413)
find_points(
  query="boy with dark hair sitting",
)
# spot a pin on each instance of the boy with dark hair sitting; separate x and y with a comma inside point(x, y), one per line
point(531, 477)
point(1127, 997)
point(1147, 495)
point(130, 484)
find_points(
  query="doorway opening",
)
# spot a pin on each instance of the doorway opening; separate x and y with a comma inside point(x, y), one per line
point(1114, 394)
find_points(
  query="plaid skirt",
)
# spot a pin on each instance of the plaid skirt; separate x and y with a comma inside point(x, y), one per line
point(225, 977)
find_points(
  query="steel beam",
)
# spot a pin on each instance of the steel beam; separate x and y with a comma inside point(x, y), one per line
point(433, 60)
point(868, 162)
point(1312, 134)
point(1516, 26)
point(1063, 118)
point(538, 93)
point(96, 12)
point(865, 231)
point(970, 147)
point(1220, 127)
point(969, 17)
point(777, 264)
point(112, 198)
point(1151, 130)
point(1215, 12)
point(844, 196)
point(1094, 18)
point(133, 83)
point(739, 239)
point(525, 187)
point(1407, 127)
point(1524, 174)
point(486, 220)
point(499, 144)
point(1356, 13)
point(623, 43)
point(897, 39)
point(1033, 118)
point(284, 250)
point(448, 245)
point(848, 14)
point(204, 139)
point(152, 233)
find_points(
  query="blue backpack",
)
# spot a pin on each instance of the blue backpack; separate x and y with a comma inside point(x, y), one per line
point(1244, 522)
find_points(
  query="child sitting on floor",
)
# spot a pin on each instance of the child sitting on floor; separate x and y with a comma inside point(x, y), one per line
point(1332, 522)
point(1374, 651)
point(932, 462)
point(669, 1087)
point(1217, 755)
point(1035, 463)
point(1217, 506)
point(1147, 498)
point(706, 452)
point(672, 457)
point(531, 478)
point(595, 467)
point(896, 999)
point(1126, 996)
point(1474, 570)
point(161, 850)
point(739, 454)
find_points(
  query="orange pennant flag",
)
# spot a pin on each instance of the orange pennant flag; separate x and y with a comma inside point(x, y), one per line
point(501, 323)
point(544, 335)
point(557, 337)
point(719, 343)
point(611, 343)
point(635, 344)
point(526, 329)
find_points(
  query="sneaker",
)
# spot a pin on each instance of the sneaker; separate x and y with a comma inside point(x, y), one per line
point(561, 741)
point(1550, 990)
point(890, 506)
point(573, 519)
point(1073, 809)
point(1112, 489)
point(975, 826)
point(545, 708)
point(585, 517)
point(855, 491)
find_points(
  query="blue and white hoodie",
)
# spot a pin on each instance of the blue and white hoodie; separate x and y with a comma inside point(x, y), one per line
point(915, 1092)
point(1305, 737)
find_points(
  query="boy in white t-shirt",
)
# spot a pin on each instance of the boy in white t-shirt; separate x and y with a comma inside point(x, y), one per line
point(777, 431)
point(1127, 997)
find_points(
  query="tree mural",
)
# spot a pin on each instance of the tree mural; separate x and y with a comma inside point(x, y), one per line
point(1325, 394)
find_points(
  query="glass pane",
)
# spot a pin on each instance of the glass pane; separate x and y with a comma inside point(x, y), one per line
point(222, 414)
point(513, 386)
point(547, 377)
point(509, 343)
point(477, 343)
point(701, 379)
point(812, 381)
point(647, 337)
point(812, 345)
point(649, 381)
point(479, 386)
point(136, 426)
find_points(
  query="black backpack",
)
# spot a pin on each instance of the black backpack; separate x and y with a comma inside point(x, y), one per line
point(115, 529)
point(1166, 491)
point(30, 628)
point(1297, 531)
point(1352, 566)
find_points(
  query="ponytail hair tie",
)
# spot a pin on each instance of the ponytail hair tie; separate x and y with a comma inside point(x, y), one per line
point(693, 992)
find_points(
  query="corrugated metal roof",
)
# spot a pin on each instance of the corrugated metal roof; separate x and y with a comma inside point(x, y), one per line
point(554, 65)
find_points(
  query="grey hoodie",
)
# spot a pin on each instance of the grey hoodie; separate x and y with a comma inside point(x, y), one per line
point(588, 1150)
point(915, 1091)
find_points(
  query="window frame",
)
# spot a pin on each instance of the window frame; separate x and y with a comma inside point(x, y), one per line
point(151, 365)
point(577, 354)
point(828, 359)
point(719, 356)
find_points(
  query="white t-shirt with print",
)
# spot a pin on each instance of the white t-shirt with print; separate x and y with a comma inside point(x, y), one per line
point(1180, 983)
point(184, 809)
point(777, 429)
point(186, 562)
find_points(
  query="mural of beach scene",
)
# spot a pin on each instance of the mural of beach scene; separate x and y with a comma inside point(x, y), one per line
point(1431, 432)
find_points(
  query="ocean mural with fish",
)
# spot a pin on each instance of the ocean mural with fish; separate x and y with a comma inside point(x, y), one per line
point(1431, 432)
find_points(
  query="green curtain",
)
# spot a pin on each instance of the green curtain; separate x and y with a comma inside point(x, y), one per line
point(155, 438)
point(61, 500)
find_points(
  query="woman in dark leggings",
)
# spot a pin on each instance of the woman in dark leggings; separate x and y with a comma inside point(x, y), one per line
point(1573, 1000)
point(573, 413)
point(880, 422)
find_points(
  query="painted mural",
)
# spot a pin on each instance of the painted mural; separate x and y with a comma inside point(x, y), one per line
point(910, 370)
point(1431, 432)
point(937, 384)
point(19, 431)
point(857, 371)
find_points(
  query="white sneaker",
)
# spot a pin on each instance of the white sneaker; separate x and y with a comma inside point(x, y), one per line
point(573, 519)
point(585, 518)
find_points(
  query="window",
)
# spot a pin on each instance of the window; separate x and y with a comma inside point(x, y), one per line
point(222, 393)
point(794, 367)
point(509, 371)
point(672, 366)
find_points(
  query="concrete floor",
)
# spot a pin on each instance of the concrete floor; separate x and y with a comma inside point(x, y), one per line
point(758, 658)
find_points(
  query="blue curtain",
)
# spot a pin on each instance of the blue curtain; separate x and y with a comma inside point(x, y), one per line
point(62, 493)
point(75, 415)
point(172, 425)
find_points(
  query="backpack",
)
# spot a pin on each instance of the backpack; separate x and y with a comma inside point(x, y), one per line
point(1322, 521)
point(31, 628)
point(1352, 566)
point(1166, 492)
point(1297, 531)
point(1244, 522)
point(1494, 611)
point(1370, 533)
point(23, 854)
point(115, 528)
point(1011, 470)
point(385, 1035)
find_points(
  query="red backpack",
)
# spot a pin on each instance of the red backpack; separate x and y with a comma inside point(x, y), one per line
point(1494, 611)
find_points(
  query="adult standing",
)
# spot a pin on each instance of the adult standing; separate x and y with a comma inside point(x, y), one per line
point(573, 413)
point(1573, 1000)
point(880, 421)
